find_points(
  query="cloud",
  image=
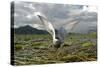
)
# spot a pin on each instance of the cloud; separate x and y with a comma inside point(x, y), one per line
point(57, 14)
point(37, 26)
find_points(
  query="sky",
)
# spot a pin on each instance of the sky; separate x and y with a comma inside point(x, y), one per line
point(57, 14)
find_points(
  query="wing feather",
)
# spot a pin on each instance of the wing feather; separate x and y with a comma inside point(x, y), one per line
point(48, 26)
point(71, 25)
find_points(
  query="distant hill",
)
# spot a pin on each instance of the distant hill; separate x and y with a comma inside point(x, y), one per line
point(28, 30)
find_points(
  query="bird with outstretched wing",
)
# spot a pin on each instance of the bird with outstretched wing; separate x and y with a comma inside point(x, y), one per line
point(58, 35)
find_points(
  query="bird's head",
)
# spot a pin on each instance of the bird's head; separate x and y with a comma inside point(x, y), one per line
point(57, 43)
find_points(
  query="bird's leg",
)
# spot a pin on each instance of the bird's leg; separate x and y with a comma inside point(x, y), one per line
point(59, 51)
point(61, 45)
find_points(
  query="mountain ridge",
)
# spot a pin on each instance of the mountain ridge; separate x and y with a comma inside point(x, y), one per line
point(27, 29)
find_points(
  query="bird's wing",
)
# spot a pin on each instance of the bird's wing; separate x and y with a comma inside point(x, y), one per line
point(48, 26)
point(62, 32)
point(70, 25)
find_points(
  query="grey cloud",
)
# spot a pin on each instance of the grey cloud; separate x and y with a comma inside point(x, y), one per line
point(57, 14)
